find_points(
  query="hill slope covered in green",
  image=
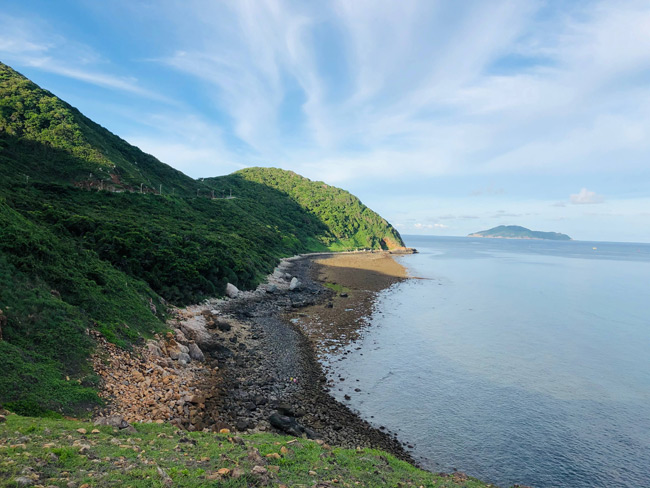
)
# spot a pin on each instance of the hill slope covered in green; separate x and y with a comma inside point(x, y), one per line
point(87, 241)
point(518, 232)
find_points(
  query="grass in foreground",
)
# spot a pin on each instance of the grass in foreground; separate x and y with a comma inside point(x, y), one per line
point(49, 452)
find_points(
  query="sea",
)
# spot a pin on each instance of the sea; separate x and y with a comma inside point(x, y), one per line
point(514, 361)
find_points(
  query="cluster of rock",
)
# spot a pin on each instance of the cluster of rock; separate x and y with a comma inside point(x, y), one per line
point(175, 378)
point(158, 382)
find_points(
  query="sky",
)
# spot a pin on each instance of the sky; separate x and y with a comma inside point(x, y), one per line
point(445, 117)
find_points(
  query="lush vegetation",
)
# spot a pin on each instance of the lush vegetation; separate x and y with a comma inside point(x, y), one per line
point(88, 242)
point(48, 140)
point(518, 232)
point(65, 452)
point(350, 223)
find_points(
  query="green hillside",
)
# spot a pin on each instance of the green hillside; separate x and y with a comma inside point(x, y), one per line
point(44, 138)
point(348, 222)
point(518, 232)
point(86, 241)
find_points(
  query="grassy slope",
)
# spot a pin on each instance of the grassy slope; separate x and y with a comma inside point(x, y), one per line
point(58, 454)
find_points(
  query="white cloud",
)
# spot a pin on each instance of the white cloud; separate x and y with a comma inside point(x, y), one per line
point(586, 197)
point(31, 43)
point(421, 226)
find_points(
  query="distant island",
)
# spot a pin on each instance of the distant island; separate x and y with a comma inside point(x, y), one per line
point(518, 232)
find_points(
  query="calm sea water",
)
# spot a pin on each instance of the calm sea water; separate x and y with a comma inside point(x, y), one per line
point(514, 361)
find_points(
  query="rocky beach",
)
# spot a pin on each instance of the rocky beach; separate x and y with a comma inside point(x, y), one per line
point(249, 362)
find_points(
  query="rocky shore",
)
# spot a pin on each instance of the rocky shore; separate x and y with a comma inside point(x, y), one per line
point(249, 363)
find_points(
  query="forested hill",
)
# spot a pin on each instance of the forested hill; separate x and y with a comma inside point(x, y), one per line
point(88, 242)
point(45, 139)
point(518, 232)
point(349, 223)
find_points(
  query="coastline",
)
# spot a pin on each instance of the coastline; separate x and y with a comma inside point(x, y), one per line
point(278, 370)
point(260, 370)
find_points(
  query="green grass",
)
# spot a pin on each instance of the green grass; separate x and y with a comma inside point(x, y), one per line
point(336, 287)
point(59, 454)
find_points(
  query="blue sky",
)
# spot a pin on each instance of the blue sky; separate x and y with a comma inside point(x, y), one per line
point(445, 117)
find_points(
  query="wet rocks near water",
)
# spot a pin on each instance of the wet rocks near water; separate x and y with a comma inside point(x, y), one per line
point(279, 372)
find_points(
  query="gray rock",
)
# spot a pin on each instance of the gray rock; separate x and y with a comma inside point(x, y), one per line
point(295, 284)
point(184, 358)
point(290, 426)
point(180, 337)
point(196, 353)
point(197, 333)
point(272, 289)
point(23, 481)
point(115, 421)
point(183, 348)
point(223, 326)
point(154, 349)
point(231, 290)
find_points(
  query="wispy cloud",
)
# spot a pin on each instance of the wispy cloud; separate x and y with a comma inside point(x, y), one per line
point(422, 84)
point(31, 43)
point(586, 197)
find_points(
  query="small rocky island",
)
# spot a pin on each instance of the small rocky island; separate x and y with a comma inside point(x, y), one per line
point(518, 232)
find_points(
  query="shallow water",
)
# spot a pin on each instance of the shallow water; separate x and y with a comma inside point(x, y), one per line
point(514, 361)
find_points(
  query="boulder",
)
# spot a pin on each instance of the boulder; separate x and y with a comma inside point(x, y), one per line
point(223, 326)
point(231, 290)
point(184, 358)
point(290, 425)
point(272, 289)
point(295, 284)
point(154, 349)
point(198, 333)
point(115, 421)
point(195, 353)
point(180, 337)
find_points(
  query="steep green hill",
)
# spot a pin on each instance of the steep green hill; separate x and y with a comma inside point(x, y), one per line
point(44, 138)
point(518, 232)
point(348, 222)
point(86, 241)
